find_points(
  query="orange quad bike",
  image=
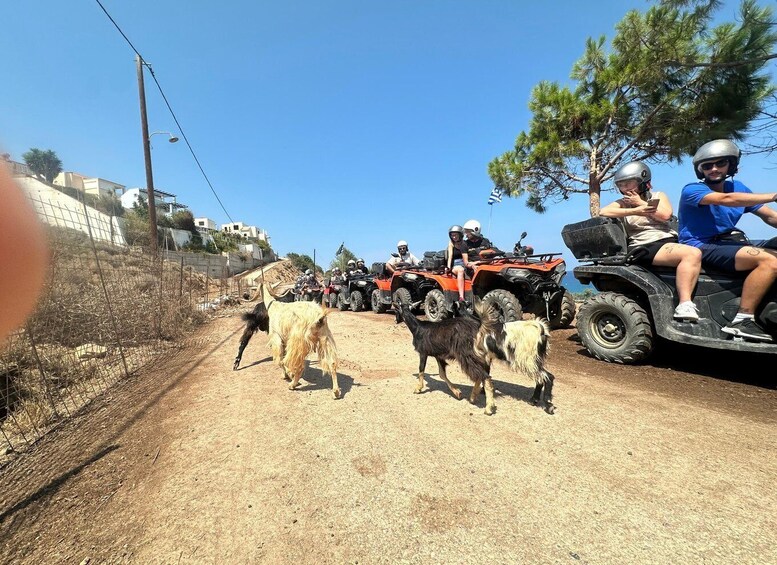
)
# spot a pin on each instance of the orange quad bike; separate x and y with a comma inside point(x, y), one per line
point(434, 291)
point(429, 287)
point(524, 282)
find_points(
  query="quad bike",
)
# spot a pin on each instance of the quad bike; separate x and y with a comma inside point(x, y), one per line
point(430, 286)
point(356, 292)
point(332, 288)
point(311, 292)
point(524, 282)
point(635, 304)
point(387, 284)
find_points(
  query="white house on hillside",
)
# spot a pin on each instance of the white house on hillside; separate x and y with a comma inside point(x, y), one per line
point(165, 201)
point(248, 232)
point(89, 185)
point(205, 225)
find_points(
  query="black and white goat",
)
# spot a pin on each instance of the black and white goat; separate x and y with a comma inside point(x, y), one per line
point(450, 339)
point(475, 341)
point(523, 346)
point(295, 329)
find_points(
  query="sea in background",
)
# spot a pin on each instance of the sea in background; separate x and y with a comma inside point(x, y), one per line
point(574, 286)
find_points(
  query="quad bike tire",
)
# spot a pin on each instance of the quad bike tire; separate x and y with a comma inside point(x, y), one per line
point(506, 304)
point(566, 312)
point(332, 300)
point(435, 306)
point(357, 301)
point(342, 305)
point(615, 328)
point(377, 304)
point(403, 296)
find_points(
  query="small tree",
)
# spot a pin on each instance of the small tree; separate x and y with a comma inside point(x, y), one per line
point(303, 262)
point(342, 259)
point(45, 164)
point(649, 98)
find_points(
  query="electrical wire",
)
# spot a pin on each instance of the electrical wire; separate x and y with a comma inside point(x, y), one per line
point(170, 109)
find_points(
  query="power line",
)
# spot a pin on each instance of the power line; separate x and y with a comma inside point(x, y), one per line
point(177, 123)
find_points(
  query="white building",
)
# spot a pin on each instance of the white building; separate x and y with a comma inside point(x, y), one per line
point(205, 225)
point(89, 185)
point(165, 201)
point(245, 231)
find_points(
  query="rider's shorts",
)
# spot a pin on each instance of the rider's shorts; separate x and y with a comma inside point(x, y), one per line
point(720, 255)
point(651, 249)
point(458, 262)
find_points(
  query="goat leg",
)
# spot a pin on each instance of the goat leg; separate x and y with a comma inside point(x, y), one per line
point(444, 376)
point(490, 405)
point(421, 368)
point(243, 343)
point(473, 397)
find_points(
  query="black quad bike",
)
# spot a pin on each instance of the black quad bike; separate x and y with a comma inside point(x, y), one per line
point(635, 305)
point(356, 292)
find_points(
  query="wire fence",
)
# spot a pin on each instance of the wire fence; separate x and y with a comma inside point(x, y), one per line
point(107, 310)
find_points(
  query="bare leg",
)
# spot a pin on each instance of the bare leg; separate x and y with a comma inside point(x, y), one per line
point(687, 259)
point(456, 391)
point(764, 272)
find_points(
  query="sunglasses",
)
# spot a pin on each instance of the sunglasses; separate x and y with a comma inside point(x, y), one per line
point(719, 164)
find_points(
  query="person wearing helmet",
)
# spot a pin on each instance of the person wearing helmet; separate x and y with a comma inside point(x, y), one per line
point(403, 255)
point(646, 215)
point(350, 268)
point(360, 267)
point(458, 258)
point(475, 239)
point(709, 212)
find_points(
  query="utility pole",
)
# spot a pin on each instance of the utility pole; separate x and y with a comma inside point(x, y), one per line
point(147, 156)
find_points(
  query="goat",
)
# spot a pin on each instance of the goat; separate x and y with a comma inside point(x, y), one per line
point(453, 338)
point(295, 329)
point(523, 345)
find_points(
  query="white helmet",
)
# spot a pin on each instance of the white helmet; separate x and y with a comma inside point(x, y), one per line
point(401, 243)
point(473, 225)
point(351, 262)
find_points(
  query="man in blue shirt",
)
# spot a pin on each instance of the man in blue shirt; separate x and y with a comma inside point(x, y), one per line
point(709, 211)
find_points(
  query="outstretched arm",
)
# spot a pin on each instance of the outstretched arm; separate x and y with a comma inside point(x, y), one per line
point(768, 215)
point(737, 199)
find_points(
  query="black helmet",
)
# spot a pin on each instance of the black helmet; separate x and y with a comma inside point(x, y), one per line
point(456, 229)
point(714, 150)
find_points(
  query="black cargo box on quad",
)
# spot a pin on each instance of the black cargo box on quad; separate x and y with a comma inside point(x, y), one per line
point(596, 238)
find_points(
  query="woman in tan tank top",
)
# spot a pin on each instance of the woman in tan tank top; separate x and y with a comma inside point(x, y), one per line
point(646, 216)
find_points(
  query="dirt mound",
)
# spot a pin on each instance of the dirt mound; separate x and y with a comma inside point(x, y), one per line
point(280, 275)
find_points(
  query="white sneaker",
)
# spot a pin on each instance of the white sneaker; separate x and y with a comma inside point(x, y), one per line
point(686, 311)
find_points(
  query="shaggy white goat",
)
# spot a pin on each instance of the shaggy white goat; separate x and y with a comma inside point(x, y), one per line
point(295, 329)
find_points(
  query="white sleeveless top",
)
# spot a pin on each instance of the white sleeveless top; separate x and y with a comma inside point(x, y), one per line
point(643, 229)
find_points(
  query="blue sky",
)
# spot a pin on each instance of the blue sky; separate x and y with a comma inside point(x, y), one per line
point(319, 121)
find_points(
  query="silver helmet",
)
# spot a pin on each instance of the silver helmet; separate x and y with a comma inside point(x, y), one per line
point(714, 150)
point(351, 262)
point(636, 170)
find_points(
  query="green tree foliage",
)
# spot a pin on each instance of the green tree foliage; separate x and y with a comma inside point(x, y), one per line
point(653, 95)
point(45, 164)
point(342, 259)
point(303, 262)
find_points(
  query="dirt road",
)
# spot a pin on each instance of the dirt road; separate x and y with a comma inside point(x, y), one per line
point(194, 463)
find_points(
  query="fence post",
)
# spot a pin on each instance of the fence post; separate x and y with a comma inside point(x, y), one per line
point(180, 289)
point(42, 372)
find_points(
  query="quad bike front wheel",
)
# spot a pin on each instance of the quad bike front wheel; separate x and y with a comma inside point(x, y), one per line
point(402, 296)
point(332, 300)
point(565, 312)
point(615, 328)
point(377, 304)
point(357, 301)
point(435, 306)
point(505, 303)
point(342, 305)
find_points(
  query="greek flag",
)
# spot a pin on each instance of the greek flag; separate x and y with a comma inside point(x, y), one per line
point(496, 196)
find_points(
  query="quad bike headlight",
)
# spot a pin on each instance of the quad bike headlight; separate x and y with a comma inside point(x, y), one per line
point(410, 276)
